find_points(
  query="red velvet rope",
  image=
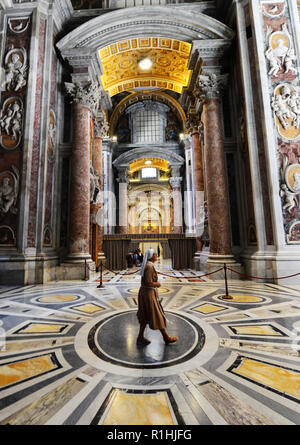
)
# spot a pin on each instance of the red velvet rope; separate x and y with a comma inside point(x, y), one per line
point(170, 276)
point(260, 278)
point(118, 273)
point(194, 276)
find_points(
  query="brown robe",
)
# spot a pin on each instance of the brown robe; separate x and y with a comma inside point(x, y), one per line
point(150, 311)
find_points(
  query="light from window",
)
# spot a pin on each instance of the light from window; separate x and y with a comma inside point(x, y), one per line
point(148, 173)
point(148, 127)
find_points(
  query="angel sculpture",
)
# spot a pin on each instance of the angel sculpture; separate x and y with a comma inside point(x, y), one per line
point(290, 198)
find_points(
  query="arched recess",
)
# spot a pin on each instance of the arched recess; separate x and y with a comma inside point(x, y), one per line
point(126, 158)
point(156, 97)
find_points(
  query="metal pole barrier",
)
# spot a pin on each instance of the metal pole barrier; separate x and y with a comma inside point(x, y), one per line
point(85, 271)
point(101, 281)
point(226, 296)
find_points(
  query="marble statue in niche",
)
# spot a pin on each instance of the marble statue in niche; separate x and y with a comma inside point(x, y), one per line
point(94, 185)
point(9, 189)
point(15, 69)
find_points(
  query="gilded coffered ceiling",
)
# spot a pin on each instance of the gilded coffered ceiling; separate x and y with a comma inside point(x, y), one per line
point(169, 70)
point(160, 164)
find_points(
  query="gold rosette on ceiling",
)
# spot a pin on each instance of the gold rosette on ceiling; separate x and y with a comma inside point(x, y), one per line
point(169, 65)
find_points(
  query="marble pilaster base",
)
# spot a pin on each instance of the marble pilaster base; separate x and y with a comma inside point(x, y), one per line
point(78, 258)
point(201, 258)
point(22, 270)
point(75, 271)
point(270, 265)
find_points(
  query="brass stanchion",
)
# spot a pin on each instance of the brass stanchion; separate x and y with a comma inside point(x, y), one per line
point(101, 281)
point(226, 296)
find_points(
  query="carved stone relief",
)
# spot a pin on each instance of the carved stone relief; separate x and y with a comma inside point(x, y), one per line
point(11, 123)
point(15, 69)
point(286, 107)
point(280, 52)
point(273, 9)
point(9, 189)
point(18, 24)
point(51, 135)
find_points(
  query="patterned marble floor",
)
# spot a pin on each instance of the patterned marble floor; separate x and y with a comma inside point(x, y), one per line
point(68, 354)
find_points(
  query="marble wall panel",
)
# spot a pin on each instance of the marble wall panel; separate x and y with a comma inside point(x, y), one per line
point(31, 237)
point(13, 90)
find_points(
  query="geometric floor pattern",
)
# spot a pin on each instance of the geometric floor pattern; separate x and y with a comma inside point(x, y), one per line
point(68, 355)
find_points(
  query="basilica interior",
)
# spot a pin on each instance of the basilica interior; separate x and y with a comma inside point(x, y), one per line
point(127, 125)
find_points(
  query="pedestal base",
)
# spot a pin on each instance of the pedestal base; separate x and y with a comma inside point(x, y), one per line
point(24, 270)
point(75, 271)
point(215, 262)
point(201, 258)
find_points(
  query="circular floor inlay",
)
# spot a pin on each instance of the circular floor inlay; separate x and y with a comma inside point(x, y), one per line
point(243, 299)
point(114, 340)
point(161, 290)
point(57, 299)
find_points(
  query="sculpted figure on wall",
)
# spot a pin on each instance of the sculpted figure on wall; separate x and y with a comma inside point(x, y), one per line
point(280, 52)
point(15, 69)
point(9, 188)
point(11, 118)
point(94, 185)
point(286, 105)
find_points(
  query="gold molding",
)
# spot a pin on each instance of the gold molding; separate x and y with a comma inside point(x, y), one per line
point(121, 72)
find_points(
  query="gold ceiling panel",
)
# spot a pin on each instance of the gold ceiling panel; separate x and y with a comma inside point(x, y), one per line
point(169, 70)
point(160, 164)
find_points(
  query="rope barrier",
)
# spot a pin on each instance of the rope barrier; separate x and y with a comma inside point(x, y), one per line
point(262, 278)
point(194, 276)
point(227, 296)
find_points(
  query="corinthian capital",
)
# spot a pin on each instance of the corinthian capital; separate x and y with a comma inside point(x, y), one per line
point(87, 94)
point(100, 125)
point(192, 122)
point(211, 86)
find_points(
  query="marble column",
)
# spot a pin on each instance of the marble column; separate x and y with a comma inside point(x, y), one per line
point(100, 130)
point(193, 125)
point(123, 201)
point(210, 88)
point(84, 99)
point(175, 182)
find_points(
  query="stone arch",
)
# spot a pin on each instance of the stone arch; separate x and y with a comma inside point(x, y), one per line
point(144, 21)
